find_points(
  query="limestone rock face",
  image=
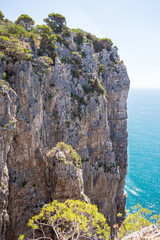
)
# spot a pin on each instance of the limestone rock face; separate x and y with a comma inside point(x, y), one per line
point(82, 103)
point(148, 233)
point(64, 177)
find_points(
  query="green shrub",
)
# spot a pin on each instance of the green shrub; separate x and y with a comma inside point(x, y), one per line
point(87, 89)
point(101, 67)
point(91, 37)
point(4, 75)
point(12, 30)
point(115, 68)
point(55, 21)
point(46, 61)
point(2, 57)
point(111, 57)
point(97, 86)
point(40, 79)
point(50, 96)
point(79, 38)
point(24, 184)
point(72, 219)
point(67, 149)
point(104, 43)
point(75, 158)
point(79, 72)
point(1, 54)
point(47, 42)
point(66, 32)
point(25, 21)
point(76, 54)
point(66, 43)
point(140, 218)
point(44, 31)
point(13, 48)
point(1, 16)
point(85, 160)
point(59, 38)
point(17, 31)
point(83, 54)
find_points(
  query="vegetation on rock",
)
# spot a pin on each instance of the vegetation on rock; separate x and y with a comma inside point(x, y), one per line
point(55, 21)
point(73, 219)
point(13, 48)
point(25, 21)
point(75, 158)
point(1, 15)
point(79, 37)
point(97, 86)
point(24, 41)
point(68, 150)
point(140, 218)
point(45, 36)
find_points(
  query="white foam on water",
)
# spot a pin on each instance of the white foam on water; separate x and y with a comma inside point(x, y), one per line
point(131, 191)
point(131, 186)
point(137, 189)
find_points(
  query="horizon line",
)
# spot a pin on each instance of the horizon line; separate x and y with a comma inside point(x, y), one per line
point(146, 88)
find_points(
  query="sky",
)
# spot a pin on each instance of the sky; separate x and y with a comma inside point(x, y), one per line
point(132, 25)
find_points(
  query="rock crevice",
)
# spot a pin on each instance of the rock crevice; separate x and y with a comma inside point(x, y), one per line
point(81, 103)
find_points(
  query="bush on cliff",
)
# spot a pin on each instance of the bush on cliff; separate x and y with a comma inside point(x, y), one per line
point(25, 21)
point(140, 218)
point(73, 219)
point(1, 15)
point(42, 39)
point(13, 48)
point(55, 21)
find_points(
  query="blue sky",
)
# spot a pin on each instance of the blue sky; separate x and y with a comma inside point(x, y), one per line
point(133, 26)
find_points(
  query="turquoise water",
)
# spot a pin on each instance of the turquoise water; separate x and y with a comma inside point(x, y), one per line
point(143, 179)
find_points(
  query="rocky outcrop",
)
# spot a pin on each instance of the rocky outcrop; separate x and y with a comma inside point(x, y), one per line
point(148, 233)
point(64, 175)
point(81, 101)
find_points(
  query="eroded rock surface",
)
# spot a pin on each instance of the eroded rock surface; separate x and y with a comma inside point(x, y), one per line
point(82, 103)
point(148, 233)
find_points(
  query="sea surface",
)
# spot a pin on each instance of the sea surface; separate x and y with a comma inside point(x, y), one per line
point(143, 178)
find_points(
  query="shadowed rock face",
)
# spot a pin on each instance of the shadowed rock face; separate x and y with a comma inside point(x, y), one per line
point(41, 106)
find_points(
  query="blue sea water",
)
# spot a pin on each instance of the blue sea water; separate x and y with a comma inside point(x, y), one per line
point(143, 178)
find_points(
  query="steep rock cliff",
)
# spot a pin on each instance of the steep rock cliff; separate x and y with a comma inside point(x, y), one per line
point(81, 101)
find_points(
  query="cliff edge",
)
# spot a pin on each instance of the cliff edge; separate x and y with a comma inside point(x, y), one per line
point(75, 94)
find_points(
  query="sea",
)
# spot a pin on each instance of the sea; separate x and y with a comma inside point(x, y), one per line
point(143, 178)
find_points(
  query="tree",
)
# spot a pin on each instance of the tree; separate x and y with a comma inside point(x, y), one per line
point(17, 31)
point(25, 21)
point(73, 219)
point(1, 16)
point(55, 21)
point(79, 38)
point(44, 30)
point(47, 39)
point(140, 218)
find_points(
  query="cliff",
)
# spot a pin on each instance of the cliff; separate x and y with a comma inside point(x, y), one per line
point(76, 96)
point(148, 233)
